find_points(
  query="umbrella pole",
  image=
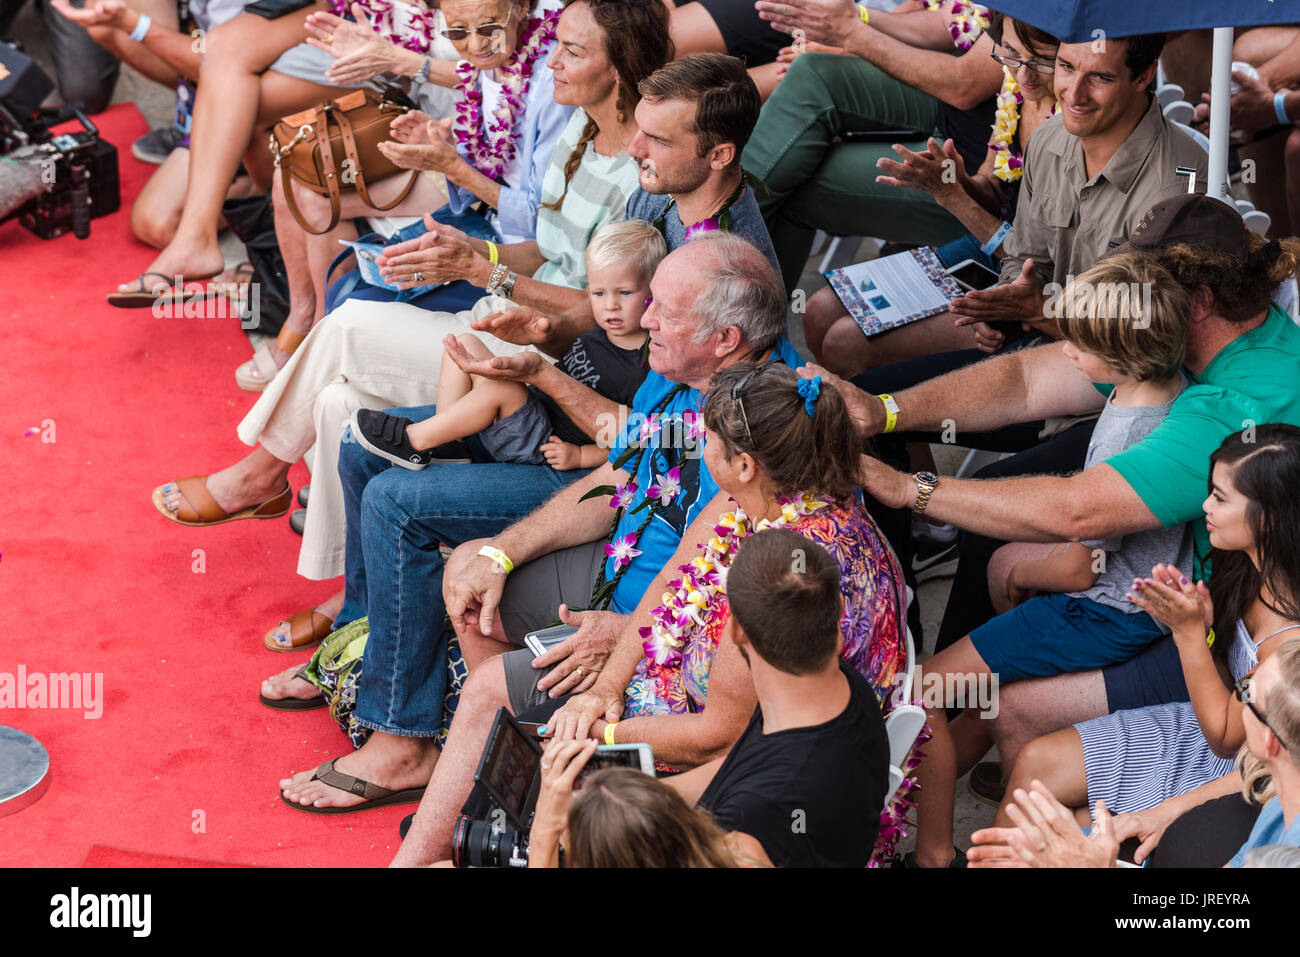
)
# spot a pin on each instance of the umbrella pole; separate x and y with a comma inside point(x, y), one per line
point(1220, 105)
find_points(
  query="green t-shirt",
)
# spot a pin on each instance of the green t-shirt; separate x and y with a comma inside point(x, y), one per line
point(1253, 381)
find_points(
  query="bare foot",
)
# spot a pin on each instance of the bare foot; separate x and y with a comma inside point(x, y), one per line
point(183, 257)
point(390, 761)
point(330, 608)
point(234, 488)
point(289, 684)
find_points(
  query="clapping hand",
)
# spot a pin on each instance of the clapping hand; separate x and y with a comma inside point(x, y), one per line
point(1018, 301)
point(938, 170)
point(821, 21)
point(1045, 835)
point(105, 13)
point(516, 368)
point(426, 145)
point(360, 53)
point(442, 254)
point(1168, 597)
point(516, 324)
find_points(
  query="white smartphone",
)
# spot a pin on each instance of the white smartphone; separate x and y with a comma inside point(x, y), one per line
point(972, 275)
point(538, 641)
point(637, 756)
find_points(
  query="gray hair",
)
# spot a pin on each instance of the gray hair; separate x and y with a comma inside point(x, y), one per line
point(745, 292)
point(1273, 855)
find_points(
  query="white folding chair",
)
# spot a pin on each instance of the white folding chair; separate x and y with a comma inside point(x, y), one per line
point(904, 723)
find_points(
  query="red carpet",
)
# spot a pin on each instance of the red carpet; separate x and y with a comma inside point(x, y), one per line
point(184, 760)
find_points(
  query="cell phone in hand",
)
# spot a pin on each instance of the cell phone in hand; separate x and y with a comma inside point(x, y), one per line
point(538, 641)
point(637, 756)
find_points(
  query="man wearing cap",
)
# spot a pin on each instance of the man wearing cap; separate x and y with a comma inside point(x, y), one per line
point(1243, 357)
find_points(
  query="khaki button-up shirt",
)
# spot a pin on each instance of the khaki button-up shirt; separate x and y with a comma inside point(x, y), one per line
point(1065, 221)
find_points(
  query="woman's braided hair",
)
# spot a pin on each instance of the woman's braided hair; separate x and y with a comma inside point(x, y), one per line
point(637, 44)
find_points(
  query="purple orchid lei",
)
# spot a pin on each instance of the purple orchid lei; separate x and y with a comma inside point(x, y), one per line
point(415, 33)
point(490, 147)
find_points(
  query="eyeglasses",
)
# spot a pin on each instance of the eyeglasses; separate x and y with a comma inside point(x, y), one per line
point(737, 398)
point(1043, 67)
point(489, 30)
point(1246, 695)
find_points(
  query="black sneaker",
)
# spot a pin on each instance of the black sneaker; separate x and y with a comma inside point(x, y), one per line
point(298, 520)
point(385, 436)
point(155, 147)
point(986, 783)
point(932, 558)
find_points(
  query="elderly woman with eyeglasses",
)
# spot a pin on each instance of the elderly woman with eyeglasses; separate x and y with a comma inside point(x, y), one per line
point(985, 203)
point(491, 155)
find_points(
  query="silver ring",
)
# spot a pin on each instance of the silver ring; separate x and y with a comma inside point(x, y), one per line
point(1041, 847)
point(418, 276)
point(546, 766)
point(579, 671)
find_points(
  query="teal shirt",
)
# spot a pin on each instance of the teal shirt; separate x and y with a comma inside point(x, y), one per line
point(1253, 381)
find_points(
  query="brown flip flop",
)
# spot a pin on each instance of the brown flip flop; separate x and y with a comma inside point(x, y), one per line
point(200, 508)
point(142, 297)
point(294, 704)
point(307, 628)
point(374, 795)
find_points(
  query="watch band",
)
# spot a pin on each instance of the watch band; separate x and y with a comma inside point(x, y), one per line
point(422, 74)
point(924, 490)
point(498, 273)
point(507, 287)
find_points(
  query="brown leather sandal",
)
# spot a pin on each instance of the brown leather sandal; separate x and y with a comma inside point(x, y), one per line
point(374, 795)
point(307, 628)
point(200, 508)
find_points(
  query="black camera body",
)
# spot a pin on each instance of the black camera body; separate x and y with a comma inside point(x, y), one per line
point(492, 830)
point(54, 184)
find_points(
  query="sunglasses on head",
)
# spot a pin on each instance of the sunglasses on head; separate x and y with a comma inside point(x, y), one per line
point(489, 30)
point(1246, 695)
point(739, 399)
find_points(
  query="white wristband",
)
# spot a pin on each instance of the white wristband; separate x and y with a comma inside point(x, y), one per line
point(1279, 105)
point(141, 28)
point(990, 247)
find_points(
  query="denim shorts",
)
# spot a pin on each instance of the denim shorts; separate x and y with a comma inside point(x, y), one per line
point(515, 438)
point(1058, 634)
point(1155, 676)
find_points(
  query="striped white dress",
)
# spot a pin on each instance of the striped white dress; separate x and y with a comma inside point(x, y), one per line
point(1136, 759)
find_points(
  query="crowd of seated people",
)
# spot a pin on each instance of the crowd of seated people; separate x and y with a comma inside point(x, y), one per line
point(592, 391)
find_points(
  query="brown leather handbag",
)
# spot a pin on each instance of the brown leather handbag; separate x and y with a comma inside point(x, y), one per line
point(334, 148)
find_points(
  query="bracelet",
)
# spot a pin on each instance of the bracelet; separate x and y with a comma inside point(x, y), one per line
point(864, 13)
point(891, 411)
point(493, 256)
point(498, 556)
point(494, 278)
point(422, 75)
point(141, 28)
point(609, 732)
point(996, 240)
point(1279, 105)
point(1209, 639)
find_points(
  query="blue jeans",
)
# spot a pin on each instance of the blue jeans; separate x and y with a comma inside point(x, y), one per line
point(396, 518)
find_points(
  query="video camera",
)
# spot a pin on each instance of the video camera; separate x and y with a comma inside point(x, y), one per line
point(492, 830)
point(54, 184)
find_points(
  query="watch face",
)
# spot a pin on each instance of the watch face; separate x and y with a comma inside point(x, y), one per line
point(929, 478)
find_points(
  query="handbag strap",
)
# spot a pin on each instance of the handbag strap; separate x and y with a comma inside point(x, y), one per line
point(350, 149)
point(327, 167)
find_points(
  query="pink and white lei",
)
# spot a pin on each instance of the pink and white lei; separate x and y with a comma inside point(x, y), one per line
point(490, 146)
point(406, 24)
point(966, 21)
point(686, 604)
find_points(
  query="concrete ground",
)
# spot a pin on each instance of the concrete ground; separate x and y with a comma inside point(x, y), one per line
point(156, 104)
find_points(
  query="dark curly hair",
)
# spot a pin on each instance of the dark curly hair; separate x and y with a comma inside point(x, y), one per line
point(1241, 291)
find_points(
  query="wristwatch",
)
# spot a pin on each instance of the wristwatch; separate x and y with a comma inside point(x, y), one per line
point(507, 287)
point(495, 278)
point(926, 483)
point(422, 74)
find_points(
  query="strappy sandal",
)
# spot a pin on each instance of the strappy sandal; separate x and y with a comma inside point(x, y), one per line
point(143, 296)
point(307, 628)
point(200, 508)
point(256, 374)
point(374, 795)
point(294, 704)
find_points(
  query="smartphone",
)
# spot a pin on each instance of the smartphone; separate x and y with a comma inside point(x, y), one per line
point(270, 9)
point(637, 756)
point(532, 729)
point(972, 275)
point(538, 641)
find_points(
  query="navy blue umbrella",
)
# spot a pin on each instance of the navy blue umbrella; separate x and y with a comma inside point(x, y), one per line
point(1075, 21)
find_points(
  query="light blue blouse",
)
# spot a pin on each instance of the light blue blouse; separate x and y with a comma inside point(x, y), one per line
point(515, 219)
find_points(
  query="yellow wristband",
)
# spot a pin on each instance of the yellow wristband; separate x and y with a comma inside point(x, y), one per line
point(864, 13)
point(493, 256)
point(1209, 639)
point(609, 732)
point(891, 411)
point(498, 556)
